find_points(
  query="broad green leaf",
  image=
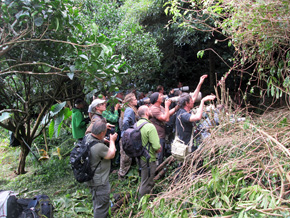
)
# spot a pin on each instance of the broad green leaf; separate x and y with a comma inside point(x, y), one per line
point(95, 28)
point(272, 90)
point(46, 68)
point(51, 129)
point(55, 109)
point(200, 54)
point(72, 72)
point(106, 49)
point(57, 24)
point(241, 215)
point(67, 113)
point(70, 75)
point(277, 93)
point(21, 14)
point(38, 21)
point(161, 206)
point(72, 68)
point(45, 119)
point(57, 125)
point(84, 57)
point(148, 214)
point(4, 116)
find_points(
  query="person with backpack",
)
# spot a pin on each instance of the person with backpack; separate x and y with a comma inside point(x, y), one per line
point(150, 140)
point(128, 119)
point(100, 161)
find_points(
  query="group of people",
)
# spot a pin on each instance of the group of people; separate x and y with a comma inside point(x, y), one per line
point(107, 125)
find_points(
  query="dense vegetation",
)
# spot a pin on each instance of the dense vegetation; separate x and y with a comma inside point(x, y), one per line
point(54, 51)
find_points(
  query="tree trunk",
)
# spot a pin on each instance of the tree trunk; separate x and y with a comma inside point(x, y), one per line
point(22, 159)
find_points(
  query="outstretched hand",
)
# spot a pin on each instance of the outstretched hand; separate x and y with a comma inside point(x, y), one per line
point(209, 98)
point(202, 78)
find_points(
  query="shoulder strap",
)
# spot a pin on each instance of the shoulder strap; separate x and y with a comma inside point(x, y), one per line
point(141, 125)
point(191, 138)
point(91, 145)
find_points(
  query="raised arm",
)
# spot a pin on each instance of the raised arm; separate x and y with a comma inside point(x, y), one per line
point(112, 148)
point(198, 115)
point(196, 91)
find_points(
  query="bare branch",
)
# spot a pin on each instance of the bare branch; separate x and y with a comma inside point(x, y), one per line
point(12, 111)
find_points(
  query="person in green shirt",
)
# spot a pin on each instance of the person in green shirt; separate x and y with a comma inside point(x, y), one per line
point(79, 123)
point(148, 134)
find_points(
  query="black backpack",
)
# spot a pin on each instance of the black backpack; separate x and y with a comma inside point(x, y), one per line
point(9, 207)
point(38, 207)
point(132, 144)
point(80, 161)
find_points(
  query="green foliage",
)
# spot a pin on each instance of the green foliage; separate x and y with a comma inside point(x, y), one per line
point(51, 51)
point(227, 193)
point(75, 204)
point(200, 54)
point(122, 23)
point(255, 29)
point(260, 39)
point(60, 113)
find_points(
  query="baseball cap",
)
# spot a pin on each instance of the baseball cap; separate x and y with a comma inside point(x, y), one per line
point(154, 97)
point(96, 102)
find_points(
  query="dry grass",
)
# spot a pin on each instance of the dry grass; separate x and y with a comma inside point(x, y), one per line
point(258, 149)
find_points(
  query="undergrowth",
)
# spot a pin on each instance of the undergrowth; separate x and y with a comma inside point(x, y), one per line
point(246, 173)
point(53, 177)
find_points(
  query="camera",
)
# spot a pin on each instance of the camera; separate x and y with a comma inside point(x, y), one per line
point(184, 88)
point(110, 131)
point(172, 99)
point(143, 101)
point(175, 99)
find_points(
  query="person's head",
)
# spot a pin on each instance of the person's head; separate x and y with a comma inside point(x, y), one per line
point(156, 97)
point(185, 100)
point(177, 93)
point(160, 89)
point(79, 103)
point(143, 111)
point(130, 99)
point(98, 105)
point(120, 95)
point(99, 128)
point(179, 84)
point(140, 95)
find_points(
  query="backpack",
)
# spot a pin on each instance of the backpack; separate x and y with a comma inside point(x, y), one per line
point(132, 145)
point(80, 161)
point(38, 207)
point(8, 205)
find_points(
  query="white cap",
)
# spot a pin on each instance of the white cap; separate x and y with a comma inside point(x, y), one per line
point(96, 102)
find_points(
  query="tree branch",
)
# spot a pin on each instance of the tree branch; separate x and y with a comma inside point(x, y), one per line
point(13, 110)
point(48, 40)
